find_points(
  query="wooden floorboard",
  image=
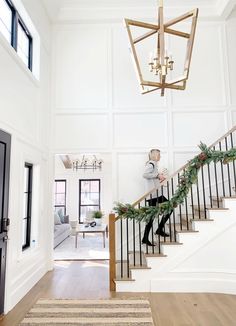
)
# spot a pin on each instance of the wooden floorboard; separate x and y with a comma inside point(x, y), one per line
point(89, 280)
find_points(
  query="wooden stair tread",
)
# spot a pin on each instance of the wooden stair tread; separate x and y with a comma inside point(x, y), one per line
point(196, 218)
point(155, 255)
point(207, 207)
point(202, 220)
point(222, 197)
point(125, 279)
point(139, 267)
point(171, 243)
point(186, 231)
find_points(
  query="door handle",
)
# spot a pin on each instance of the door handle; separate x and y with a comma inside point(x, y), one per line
point(6, 223)
point(5, 238)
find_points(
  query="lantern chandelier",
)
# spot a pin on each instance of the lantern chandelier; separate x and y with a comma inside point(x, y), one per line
point(160, 62)
point(87, 163)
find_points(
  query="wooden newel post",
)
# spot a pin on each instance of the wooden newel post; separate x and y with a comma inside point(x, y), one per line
point(112, 248)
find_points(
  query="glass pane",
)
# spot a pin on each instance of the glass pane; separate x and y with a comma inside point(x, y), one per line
point(5, 20)
point(94, 186)
point(94, 197)
point(60, 187)
point(24, 232)
point(22, 44)
point(59, 199)
point(85, 210)
point(89, 199)
point(26, 178)
point(85, 186)
point(25, 204)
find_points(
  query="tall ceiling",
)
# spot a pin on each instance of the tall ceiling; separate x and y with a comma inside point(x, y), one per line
point(66, 10)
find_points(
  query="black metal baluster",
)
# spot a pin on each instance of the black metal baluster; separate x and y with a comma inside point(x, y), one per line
point(152, 233)
point(121, 249)
point(134, 252)
point(172, 192)
point(164, 228)
point(222, 173)
point(228, 170)
point(232, 145)
point(140, 241)
point(198, 200)
point(180, 209)
point(209, 183)
point(191, 189)
point(203, 193)
point(186, 210)
point(170, 222)
point(127, 245)
point(216, 182)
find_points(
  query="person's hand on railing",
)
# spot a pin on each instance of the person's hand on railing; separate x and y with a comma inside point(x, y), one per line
point(161, 177)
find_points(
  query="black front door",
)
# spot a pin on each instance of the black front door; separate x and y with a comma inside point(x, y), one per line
point(5, 145)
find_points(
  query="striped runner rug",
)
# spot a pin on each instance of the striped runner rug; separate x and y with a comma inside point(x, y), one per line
point(108, 312)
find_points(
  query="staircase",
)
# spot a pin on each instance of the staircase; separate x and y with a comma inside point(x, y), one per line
point(199, 253)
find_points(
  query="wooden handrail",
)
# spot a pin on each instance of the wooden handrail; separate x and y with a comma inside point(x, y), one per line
point(112, 249)
point(182, 168)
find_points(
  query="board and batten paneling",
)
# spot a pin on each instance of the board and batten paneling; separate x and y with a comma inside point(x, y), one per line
point(133, 123)
point(136, 131)
point(189, 128)
point(85, 131)
point(206, 85)
point(81, 67)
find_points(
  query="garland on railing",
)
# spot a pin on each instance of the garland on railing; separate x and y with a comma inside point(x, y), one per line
point(186, 180)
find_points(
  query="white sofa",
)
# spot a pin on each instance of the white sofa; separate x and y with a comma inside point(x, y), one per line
point(62, 229)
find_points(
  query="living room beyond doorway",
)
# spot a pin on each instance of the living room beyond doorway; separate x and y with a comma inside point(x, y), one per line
point(82, 204)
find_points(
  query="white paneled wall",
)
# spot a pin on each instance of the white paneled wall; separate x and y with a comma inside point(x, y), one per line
point(98, 106)
point(25, 114)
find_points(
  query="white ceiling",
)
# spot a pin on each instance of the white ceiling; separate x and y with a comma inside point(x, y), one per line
point(69, 10)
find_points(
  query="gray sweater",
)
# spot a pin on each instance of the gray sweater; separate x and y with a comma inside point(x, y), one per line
point(150, 175)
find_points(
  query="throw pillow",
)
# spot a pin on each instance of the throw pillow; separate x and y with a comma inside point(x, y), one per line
point(57, 219)
point(61, 215)
point(66, 219)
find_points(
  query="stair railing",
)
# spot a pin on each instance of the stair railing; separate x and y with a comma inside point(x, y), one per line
point(215, 180)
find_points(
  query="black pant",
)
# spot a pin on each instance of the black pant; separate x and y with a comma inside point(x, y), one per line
point(154, 202)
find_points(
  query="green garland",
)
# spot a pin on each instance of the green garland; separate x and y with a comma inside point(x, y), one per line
point(187, 179)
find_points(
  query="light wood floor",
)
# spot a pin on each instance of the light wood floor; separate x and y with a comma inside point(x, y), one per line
point(89, 280)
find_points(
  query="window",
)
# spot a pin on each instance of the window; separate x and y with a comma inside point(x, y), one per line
point(28, 177)
point(24, 44)
point(6, 20)
point(60, 196)
point(15, 31)
point(89, 197)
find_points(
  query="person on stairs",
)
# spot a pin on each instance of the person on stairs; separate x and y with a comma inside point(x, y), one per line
point(152, 180)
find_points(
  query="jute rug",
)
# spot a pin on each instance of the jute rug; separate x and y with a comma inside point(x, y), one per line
point(109, 312)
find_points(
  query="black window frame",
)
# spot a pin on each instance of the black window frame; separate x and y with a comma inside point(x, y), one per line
point(99, 205)
point(16, 19)
point(61, 206)
point(29, 206)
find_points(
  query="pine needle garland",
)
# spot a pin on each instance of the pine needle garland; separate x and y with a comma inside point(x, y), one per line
point(186, 180)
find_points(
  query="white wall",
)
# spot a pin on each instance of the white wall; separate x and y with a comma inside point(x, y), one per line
point(97, 105)
point(25, 114)
point(72, 185)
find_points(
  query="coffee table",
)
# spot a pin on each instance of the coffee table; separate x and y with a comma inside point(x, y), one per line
point(91, 229)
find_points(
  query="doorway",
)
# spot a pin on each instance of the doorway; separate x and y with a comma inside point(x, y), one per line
point(5, 146)
point(78, 194)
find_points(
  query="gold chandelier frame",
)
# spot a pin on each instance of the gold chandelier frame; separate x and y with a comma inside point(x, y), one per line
point(178, 83)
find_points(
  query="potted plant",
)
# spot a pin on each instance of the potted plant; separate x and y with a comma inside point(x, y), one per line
point(97, 215)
